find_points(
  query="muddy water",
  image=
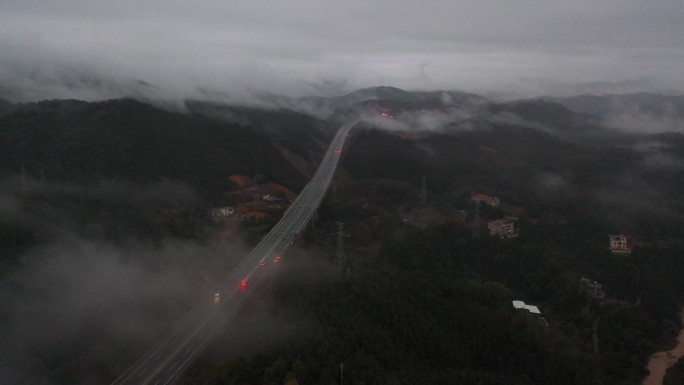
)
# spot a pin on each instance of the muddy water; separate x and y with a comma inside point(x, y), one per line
point(660, 361)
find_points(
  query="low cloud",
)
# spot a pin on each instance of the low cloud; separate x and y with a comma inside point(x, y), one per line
point(556, 185)
point(421, 120)
point(78, 304)
point(657, 153)
point(644, 123)
point(75, 303)
point(52, 49)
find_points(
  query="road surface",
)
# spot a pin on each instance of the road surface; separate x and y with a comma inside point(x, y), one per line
point(167, 361)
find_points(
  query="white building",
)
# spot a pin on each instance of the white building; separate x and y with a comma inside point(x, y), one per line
point(620, 244)
point(222, 211)
point(530, 308)
point(503, 228)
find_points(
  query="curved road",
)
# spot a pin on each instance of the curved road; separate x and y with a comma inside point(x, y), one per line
point(164, 364)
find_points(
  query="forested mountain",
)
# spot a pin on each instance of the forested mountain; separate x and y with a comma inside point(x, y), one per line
point(127, 139)
point(647, 103)
point(300, 133)
point(394, 323)
point(420, 302)
point(420, 284)
point(549, 115)
point(637, 113)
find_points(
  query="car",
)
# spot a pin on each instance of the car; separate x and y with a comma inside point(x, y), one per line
point(338, 151)
point(276, 259)
point(243, 285)
point(217, 297)
point(262, 263)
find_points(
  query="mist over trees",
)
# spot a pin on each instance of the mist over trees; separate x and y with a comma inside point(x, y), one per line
point(112, 197)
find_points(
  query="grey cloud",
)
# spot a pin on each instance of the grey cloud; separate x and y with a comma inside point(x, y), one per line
point(82, 308)
point(84, 304)
point(296, 47)
point(95, 298)
point(644, 123)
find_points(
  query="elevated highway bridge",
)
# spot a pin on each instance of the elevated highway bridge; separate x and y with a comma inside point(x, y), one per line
point(165, 363)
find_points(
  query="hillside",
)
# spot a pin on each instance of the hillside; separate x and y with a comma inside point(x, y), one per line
point(430, 303)
point(648, 103)
point(302, 134)
point(426, 298)
point(130, 140)
point(549, 114)
point(638, 112)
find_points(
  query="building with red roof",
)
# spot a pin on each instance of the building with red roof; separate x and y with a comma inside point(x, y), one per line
point(486, 199)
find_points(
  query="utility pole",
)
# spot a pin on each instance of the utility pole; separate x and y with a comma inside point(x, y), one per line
point(423, 193)
point(341, 373)
point(340, 258)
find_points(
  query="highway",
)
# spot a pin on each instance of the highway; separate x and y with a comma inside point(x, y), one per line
point(163, 364)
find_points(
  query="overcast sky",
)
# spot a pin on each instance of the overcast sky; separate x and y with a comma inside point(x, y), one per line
point(322, 46)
